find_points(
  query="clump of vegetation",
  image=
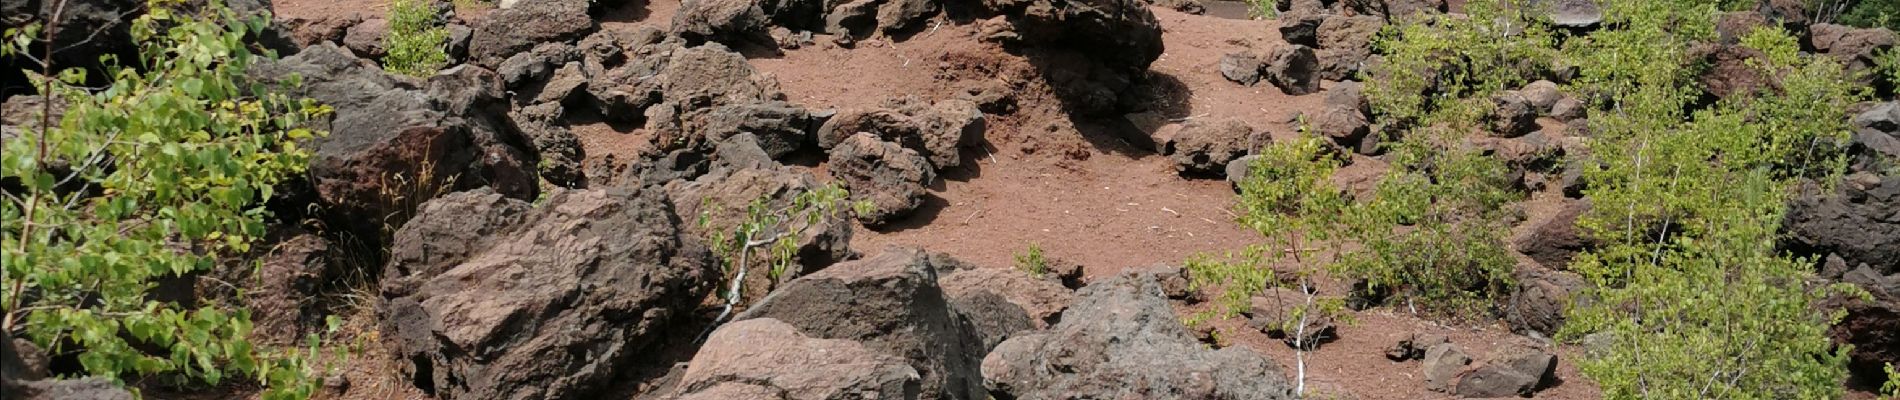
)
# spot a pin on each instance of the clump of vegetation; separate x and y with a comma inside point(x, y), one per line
point(768, 235)
point(1288, 197)
point(1687, 196)
point(417, 39)
point(158, 175)
point(1873, 14)
point(1892, 387)
point(1688, 200)
point(1031, 261)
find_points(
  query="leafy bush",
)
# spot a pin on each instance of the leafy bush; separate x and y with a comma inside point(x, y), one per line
point(1692, 296)
point(1429, 66)
point(1032, 262)
point(416, 39)
point(1892, 387)
point(1287, 196)
point(157, 176)
point(1874, 14)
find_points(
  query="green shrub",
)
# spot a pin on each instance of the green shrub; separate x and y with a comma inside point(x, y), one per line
point(1433, 63)
point(1873, 14)
point(1032, 262)
point(1691, 293)
point(416, 41)
point(160, 174)
point(1892, 387)
point(1288, 197)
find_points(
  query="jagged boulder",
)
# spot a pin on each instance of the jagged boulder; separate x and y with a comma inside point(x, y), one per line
point(366, 38)
point(1854, 221)
point(1122, 340)
point(1241, 67)
point(1043, 298)
point(1540, 299)
point(1441, 366)
point(769, 359)
point(1345, 42)
point(1857, 48)
point(542, 303)
point(891, 303)
point(727, 21)
point(390, 136)
point(892, 178)
point(1206, 147)
point(1346, 116)
point(526, 24)
point(1554, 241)
point(1292, 68)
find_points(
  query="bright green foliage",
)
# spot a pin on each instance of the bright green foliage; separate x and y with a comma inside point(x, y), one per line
point(770, 233)
point(416, 39)
point(1892, 387)
point(1032, 262)
point(1889, 63)
point(1691, 293)
point(1450, 59)
point(157, 175)
point(1874, 14)
point(1288, 197)
point(1432, 231)
point(1450, 254)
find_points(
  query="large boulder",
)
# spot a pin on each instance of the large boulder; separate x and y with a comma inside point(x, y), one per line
point(1855, 221)
point(1241, 67)
point(394, 141)
point(366, 38)
point(1092, 52)
point(780, 128)
point(891, 178)
point(1121, 340)
point(1292, 68)
point(891, 303)
point(938, 131)
point(527, 23)
point(767, 359)
point(547, 303)
point(1554, 241)
point(1857, 48)
point(1876, 142)
point(1872, 326)
point(727, 21)
point(1043, 298)
point(1206, 147)
point(1540, 300)
point(1347, 116)
point(1442, 364)
point(1345, 42)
